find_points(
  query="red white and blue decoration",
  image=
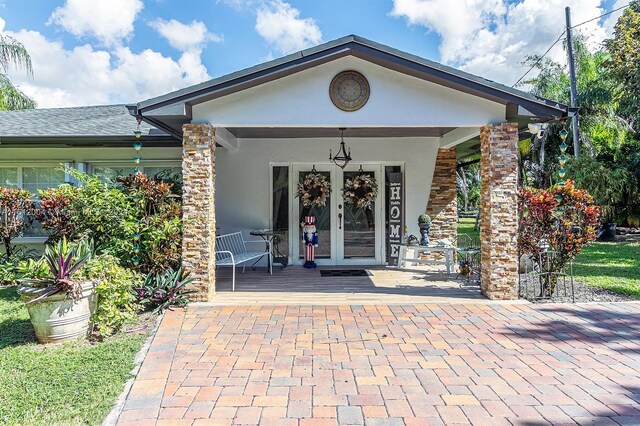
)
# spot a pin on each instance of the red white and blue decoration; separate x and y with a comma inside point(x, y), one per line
point(310, 240)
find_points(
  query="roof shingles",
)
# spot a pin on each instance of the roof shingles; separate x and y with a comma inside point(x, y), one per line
point(89, 121)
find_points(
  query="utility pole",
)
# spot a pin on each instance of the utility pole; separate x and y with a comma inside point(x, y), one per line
point(574, 91)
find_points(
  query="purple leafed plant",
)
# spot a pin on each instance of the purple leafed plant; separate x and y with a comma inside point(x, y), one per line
point(164, 290)
point(63, 260)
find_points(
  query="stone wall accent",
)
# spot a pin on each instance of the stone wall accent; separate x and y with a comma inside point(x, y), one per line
point(499, 210)
point(199, 217)
point(443, 203)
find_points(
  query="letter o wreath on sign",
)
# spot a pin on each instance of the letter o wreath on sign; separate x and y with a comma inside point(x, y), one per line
point(394, 213)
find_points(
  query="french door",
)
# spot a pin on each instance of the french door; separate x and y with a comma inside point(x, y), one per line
point(347, 234)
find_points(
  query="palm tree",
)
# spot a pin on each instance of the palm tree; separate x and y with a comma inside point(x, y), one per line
point(13, 54)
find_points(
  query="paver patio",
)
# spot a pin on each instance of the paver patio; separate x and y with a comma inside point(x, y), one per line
point(391, 365)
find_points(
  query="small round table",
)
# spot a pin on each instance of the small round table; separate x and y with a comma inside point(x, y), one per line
point(269, 236)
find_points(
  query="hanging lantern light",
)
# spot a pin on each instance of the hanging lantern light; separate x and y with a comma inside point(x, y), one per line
point(342, 158)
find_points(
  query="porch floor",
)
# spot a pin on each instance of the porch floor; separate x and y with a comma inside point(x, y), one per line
point(295, 285)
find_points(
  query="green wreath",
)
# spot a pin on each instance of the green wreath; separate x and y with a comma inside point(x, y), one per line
point(314, 190)
point(360, 191)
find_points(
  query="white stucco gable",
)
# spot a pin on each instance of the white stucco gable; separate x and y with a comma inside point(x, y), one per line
point(302, 100)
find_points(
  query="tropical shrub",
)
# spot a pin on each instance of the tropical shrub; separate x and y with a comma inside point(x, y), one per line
point(608, 184)
point(113, 215)
point(55, 212)
point(158, 220)
point(32, 269)
point(162, 290)
point(102, 211)
point(114, 286)
point(14, 268)
point(561, 219)
point(16, 214)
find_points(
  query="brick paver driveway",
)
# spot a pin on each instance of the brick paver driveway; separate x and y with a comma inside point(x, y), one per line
point(392, 365)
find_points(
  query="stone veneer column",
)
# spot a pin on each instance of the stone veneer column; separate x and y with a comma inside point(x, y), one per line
point(198, 208)
point(443, 202)
point(499, 210)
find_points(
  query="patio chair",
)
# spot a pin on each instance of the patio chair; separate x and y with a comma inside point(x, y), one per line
point(231, 250)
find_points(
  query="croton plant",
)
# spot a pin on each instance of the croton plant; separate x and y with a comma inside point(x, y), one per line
point(560, 219)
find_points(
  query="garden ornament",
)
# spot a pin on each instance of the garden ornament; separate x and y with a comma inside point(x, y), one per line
point(310, 240)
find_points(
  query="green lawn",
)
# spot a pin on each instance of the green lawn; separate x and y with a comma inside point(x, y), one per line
point(465, 226)
point(614, 266)
point(72, 383)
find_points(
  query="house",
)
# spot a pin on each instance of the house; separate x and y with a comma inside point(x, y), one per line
point(246, 140)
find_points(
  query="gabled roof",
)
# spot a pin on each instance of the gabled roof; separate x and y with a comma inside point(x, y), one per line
point(73, 125)
point(174, 107)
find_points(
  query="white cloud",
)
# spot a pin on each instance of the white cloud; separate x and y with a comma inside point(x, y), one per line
point(238, 4)
point(85, 75)
point(491, 38)
point(280, 25)
point(611, 20)
point(109, 21)
point(185, 37)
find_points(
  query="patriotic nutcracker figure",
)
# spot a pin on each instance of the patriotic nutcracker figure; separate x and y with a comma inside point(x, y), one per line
point(310, 240)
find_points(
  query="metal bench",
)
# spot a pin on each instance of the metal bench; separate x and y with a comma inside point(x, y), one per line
point(231, 250)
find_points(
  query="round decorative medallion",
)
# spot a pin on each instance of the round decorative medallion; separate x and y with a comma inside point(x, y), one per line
point(349, 90)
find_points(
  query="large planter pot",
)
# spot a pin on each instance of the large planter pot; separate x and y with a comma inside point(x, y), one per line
point(607, 232)
point(58, 317)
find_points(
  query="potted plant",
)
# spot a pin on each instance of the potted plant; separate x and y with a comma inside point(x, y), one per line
point(424, 223)
point(59, 303)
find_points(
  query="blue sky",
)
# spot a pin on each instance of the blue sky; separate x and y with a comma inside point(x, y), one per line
point(106, 51)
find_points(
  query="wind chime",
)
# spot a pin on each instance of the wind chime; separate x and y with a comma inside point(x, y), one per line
point(137, 146)
point(562, 173)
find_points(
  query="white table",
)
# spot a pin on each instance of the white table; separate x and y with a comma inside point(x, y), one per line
point(410, 256)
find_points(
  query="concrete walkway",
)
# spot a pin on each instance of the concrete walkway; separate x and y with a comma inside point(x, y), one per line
point(475, 364)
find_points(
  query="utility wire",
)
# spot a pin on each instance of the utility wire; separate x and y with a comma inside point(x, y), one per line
point(560, 37)
point(603, 15)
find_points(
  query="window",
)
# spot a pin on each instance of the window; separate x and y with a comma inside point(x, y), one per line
point(112, 171)
point(32, 179)
point(9, 177)
point(172, 171)
point(35, 178)
point(280, 218)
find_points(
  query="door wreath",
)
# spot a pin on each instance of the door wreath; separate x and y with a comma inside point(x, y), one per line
point(314, 190)
point(360, 191)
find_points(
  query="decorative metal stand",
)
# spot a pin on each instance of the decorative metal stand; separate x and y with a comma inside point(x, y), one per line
point(468, 257)
point(536, 276)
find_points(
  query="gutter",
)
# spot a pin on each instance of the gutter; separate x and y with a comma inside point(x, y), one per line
point(134, 111)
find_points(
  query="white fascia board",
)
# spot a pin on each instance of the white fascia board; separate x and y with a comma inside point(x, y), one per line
point(227, 140)
point(457, 136)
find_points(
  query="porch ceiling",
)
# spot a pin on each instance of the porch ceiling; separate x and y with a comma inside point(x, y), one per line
point(330, 132)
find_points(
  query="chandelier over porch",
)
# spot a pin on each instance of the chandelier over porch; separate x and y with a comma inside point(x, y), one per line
point(342, 158)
